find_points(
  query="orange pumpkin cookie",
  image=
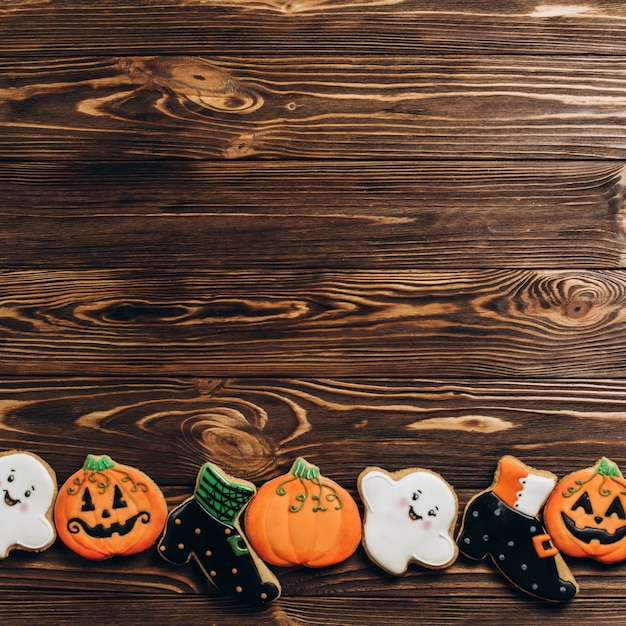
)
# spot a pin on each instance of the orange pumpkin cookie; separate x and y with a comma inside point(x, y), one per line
point(586, 513)
point(108, 509)
point(303, 518)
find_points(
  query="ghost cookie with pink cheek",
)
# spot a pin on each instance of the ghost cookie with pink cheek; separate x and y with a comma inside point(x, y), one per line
point(28, 489)
point(409, 518)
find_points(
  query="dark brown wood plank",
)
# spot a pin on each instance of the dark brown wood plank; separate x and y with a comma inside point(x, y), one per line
point(304, 26)
point(169, 427)
point(342, 215)
point(314, 323)
point(255, 428)
point(502, 107)
point(456, 608)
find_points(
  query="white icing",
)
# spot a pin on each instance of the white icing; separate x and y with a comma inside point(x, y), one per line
point(408, 520)
point(27, 492)
point(535, 490)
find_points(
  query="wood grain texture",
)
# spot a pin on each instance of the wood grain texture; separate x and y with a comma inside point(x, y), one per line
point(313, 107)
point(387, 233)
point(301, 26)
point(170, 426)
point(312, 215)
point(312, 610)
point(255, 428)
point(456, 323)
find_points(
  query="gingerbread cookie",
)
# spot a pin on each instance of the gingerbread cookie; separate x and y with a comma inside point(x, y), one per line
point(27, 491)
point(108, 509)
point(502, 523)
point(409, 518)
point(586, 513)
point(303, 518)
point(206, 527)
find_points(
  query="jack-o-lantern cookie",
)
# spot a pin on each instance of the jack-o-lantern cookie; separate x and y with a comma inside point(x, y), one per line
point(502, 523)
point(409, 518)
point(206, 528)
point(303, 518)
point(27, 491)
point(108, 509)
point(586, 513)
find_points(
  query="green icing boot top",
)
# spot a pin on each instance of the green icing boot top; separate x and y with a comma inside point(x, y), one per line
point(223, 498)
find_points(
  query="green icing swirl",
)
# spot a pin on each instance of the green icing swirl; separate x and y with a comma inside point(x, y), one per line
point(307, 473)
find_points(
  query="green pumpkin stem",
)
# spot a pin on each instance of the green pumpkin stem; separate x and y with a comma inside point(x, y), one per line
point(94, 470)
point(605, 468)
point(98, 463)
point(304, 471)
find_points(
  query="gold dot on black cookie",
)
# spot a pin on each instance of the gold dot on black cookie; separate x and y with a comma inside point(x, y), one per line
point(197, 531)
point(208, 553)
point(178, 522)
point(238, 589)
point(181, 546)
point(234, 570)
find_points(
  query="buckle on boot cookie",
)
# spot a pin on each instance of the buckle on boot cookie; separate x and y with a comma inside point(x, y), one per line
point(543, 546)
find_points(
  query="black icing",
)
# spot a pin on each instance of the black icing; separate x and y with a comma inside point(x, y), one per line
point(588, 534)
point(223, 554)
point(8, 500)
point(492, 528)
point(99, 531)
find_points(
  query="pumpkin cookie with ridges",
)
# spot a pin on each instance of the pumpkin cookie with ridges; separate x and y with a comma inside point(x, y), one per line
point(303, 518)
point(586, 513)
point(109, 509)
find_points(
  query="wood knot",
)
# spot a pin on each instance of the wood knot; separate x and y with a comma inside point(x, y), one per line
point(241, 146)
point(577, 308)
point(193, 80)
point(229, 436)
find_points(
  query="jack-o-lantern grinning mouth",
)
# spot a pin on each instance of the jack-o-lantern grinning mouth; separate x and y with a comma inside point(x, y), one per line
point(588, 534)
point(8, 500)
point(99, 531)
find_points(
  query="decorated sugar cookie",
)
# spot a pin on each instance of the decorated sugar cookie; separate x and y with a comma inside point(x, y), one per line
point(108, 509)
point(303, 518)
point(206, 528)
point(27, 491)
point(409, 517)
point(502, 523)
point(586, 513)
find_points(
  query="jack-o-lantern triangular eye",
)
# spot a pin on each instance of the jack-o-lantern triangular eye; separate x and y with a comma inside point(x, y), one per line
point(118, 499)
point(87, 502)
point(617, 508)
point(583, 503)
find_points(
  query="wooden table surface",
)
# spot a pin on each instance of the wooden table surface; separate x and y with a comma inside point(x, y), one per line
point(379, 233)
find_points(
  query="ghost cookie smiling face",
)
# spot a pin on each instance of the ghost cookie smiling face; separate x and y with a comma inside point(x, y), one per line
point(27, 493)
point(409, 517)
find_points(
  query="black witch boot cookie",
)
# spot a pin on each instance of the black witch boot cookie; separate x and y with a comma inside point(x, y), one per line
point(502, 523)
point(206, 527)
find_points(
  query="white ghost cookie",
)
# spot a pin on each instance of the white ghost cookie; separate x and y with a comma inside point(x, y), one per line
point(409, 518)
point(28, 489)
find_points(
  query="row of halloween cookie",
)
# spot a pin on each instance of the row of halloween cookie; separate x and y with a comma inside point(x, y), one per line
point(303, 518)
